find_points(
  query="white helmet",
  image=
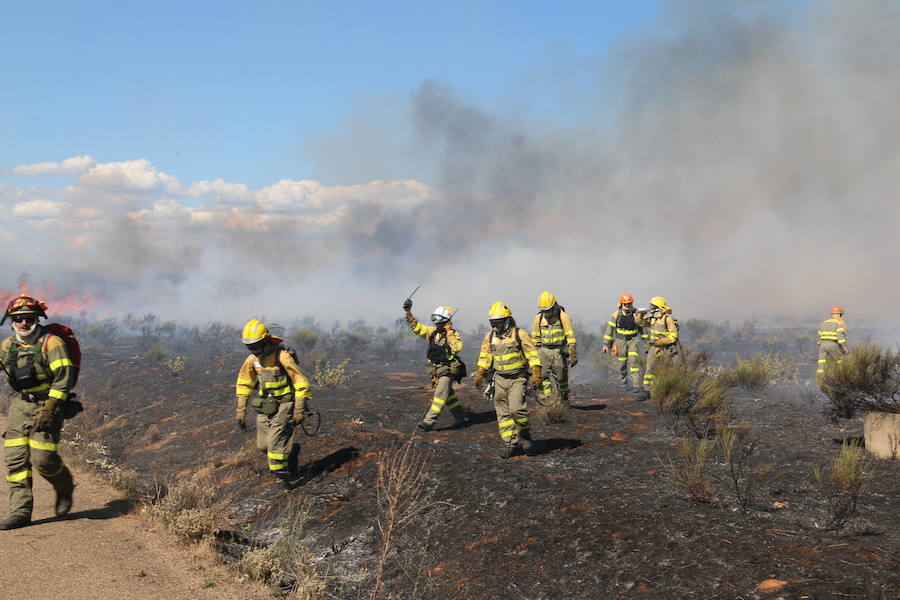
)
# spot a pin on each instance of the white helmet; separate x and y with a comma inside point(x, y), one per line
point(441, 314)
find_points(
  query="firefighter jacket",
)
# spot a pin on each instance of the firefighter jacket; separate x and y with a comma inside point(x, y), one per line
point(509, 355)
point(443, 346)
point(40, 370)
point(553, 334)
point(277, 375)
point(623, 325)
point(833, 329)
point(663, 329)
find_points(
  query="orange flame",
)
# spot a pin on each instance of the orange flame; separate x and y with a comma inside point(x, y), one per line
point(57, 302)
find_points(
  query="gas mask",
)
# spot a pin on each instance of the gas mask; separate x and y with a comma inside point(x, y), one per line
point(500, 326)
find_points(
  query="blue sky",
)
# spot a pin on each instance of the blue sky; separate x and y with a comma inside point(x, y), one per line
point(238, 89)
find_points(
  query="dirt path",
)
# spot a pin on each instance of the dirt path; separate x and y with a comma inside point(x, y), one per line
point(97, 552)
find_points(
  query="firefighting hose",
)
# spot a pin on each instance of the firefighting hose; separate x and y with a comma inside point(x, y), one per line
point(310, 415)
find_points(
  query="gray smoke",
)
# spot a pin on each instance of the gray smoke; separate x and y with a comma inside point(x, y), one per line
point(736, 158)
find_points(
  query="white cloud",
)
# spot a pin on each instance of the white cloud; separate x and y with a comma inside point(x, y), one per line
point(37, 209)
point(71, 166)
point(138, 175)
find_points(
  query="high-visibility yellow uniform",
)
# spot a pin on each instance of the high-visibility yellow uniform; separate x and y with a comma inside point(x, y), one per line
point(510, 356)
point(282, 387)
point(555, 339)
point(625, 330)
point(443, 355)
point(663, 340)
point(832, 342)
point(52, 378)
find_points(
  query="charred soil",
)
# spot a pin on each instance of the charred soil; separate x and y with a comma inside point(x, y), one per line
point(592, 514)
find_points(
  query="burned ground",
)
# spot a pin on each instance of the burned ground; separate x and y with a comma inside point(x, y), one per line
point(593, 514)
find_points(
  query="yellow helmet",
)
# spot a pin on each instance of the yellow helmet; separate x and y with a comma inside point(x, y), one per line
point(658, 301)
point(254, 331)
point(546, 301)
point(499, 311)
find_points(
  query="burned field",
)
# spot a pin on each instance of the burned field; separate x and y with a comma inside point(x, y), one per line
point(595, 513)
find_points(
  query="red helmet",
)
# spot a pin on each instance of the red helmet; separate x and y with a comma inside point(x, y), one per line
point(24, 305)
point(837, 310)
point(626, 299)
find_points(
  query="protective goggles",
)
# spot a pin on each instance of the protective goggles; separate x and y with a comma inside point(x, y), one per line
point(24, 318)
point(256, 347)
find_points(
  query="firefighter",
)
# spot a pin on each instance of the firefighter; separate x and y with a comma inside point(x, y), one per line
point(42, 374)
point(623, 330)
point(552, 333)
point(832, 342)
point(663, 338)
point(281, 401)
point(444, 346)
point(509, 352)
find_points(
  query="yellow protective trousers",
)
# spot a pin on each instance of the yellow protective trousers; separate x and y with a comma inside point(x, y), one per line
point(556, 361)
point(512, 412)
point(629, 358)
point(274, 436)
point(444, 397)
point(24, 449)
point(829, 352)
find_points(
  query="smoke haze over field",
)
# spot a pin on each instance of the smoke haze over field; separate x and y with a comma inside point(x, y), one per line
point(735, 160)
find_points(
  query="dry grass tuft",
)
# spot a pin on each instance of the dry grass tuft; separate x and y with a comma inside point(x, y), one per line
point(689, 470)
point(850, 474)
point(188, 509)
point(551, 413)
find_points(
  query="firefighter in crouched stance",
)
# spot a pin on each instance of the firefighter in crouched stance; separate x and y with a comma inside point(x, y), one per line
point(444, 346)
point(554, 336)
point(281, 401)
point(663, 333)
point(42, 374)
point(832, 343)
point(621, 339)
point(509, 352)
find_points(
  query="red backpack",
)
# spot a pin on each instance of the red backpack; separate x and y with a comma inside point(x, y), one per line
point(73, 349)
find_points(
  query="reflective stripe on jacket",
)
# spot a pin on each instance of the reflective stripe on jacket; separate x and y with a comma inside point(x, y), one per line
point(663, 331)
point(555, 334)
point(614, 329)
point(53, 369)
point(504, 355)
point(454, 341)
point(833, 330)
point(277, 374)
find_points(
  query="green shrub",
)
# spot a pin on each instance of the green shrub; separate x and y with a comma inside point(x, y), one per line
point(867, 379)
point(155, 353)
point(332, 376)
point(689, 470)
point(849, 476)
point(304, 339)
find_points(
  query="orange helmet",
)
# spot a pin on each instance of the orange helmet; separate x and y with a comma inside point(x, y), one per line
point(24, 305)
point(626, 299)
point(837, 310)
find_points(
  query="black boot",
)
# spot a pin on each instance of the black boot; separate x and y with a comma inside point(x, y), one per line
point(424, 426)
point(15, 521)
point(63, 501)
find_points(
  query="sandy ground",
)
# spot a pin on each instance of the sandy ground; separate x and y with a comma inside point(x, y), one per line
point(99, 552)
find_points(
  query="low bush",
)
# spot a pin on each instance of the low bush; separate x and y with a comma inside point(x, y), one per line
point(867, 379)
point(849, 475)
point(155, 353)
point(685, 390)
point(187, 509)
point(327, 375)
point(748, 474)
point(304, 340)
point(761, 371)
point(689, 470)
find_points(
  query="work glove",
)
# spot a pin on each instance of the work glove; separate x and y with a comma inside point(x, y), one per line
point(44, 418)
point(536, 382)
point(298, 415)
point(407, 305)
point(242, 418)
point(573, 356)
point(479, 377)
